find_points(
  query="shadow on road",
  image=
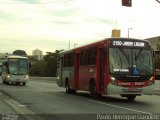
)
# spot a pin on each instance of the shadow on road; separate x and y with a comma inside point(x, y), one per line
point(111, 99)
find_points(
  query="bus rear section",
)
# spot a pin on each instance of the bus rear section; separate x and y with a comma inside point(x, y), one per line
point(15, 70)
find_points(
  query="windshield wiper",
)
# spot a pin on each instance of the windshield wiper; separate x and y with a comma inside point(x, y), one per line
point(138, 55)
point(126, 55)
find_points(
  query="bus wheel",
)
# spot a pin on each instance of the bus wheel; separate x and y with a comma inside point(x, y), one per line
point(68, 90)
point(4, 82)
point(131, 97)
point(17, 83)
point(24, 83)
point(92, 88)
point(7, 83)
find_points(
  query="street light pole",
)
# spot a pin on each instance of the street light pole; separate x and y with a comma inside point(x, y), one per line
point(129, 30)
point(75, 45)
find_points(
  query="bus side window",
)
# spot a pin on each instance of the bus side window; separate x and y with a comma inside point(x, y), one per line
point(72, 59)
point(92, 56)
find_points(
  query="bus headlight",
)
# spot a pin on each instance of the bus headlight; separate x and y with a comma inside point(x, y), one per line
point(58, 78)
point(113, 80)
point(26, 76)
point(9, 76)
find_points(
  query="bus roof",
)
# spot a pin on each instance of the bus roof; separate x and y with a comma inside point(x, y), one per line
point(17, 56)
point(100, 42)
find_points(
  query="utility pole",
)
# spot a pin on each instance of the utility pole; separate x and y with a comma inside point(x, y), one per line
point(75, 45)
point(129, 30)
point(69, 45)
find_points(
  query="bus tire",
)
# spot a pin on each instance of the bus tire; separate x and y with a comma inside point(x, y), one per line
point(92, 89)
point(67, 86)
point(131, 97)
point(3, 81)
point(7, 83)
point(17, 83)
point(23, 83)
point(68, 89)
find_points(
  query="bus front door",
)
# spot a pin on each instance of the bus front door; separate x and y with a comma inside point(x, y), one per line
point(61, 70)
point(102, 67)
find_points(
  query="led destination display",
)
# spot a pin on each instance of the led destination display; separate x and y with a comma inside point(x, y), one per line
point(129, 43)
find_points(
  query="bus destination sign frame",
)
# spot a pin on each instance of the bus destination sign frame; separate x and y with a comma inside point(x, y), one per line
point(129, 43)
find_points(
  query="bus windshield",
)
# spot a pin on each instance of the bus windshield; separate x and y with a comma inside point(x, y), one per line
point(18, 66)
point(133, 61)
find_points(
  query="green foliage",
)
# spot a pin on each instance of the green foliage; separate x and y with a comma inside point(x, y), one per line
point(157, 63)
point(38, 69)
point(51, 62)
point(47, 67)
point(19, 52)
point(158, 47)
point(157, 59)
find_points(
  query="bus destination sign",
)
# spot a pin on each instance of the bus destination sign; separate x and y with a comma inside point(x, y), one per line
point(129, 43)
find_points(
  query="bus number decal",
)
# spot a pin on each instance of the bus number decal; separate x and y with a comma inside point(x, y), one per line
point(139, 83)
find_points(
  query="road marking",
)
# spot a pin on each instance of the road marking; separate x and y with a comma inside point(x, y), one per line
point(119, 107)
point(148, 98)
point(24, 111)
point(153, 98)
point(21, 105)
point(38, 89)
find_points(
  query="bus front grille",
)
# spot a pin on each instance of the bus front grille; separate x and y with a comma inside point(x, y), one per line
point(134, 79)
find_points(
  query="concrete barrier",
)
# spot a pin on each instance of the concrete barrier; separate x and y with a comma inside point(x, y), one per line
point(43, 78)
point(157, 87)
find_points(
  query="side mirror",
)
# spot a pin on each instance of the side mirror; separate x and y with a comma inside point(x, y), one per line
point(6, 64)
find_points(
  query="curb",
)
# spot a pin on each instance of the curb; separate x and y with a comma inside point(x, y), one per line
point(156, 92)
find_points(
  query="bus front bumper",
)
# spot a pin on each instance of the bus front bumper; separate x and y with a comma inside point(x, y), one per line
point(23, 78)
point(119, 90)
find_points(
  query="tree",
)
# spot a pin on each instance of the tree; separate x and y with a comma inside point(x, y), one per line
point(51, 62)
point(158, 47)
point(19, 52)
point(47, 67)
point(38, 69)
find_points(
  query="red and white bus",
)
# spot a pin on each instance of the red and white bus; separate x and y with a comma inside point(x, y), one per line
point(111, 66)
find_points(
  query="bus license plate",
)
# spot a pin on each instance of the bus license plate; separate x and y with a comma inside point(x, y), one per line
point(132, 89)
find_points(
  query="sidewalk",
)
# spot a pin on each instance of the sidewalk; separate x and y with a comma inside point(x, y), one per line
point(4, 107)
point(156, 92)
point(157, 87)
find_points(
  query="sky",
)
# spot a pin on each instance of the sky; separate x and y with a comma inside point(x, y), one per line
point(50, 25)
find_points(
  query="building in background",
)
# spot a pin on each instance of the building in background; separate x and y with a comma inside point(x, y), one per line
point(155, 43)
point(38, 54)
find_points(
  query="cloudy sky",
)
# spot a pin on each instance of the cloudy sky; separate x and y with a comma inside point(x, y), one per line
point(50, 24)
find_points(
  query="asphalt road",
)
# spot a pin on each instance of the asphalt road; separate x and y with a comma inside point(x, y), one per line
point(42, 99)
